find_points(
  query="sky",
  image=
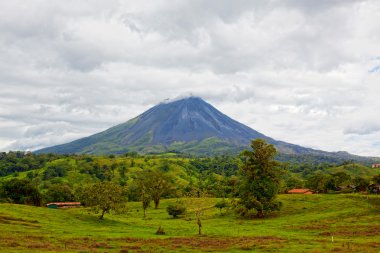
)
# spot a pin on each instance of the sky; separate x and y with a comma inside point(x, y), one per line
point(304, 72)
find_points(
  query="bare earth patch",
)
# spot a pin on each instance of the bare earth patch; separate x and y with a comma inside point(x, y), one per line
point(204, 243)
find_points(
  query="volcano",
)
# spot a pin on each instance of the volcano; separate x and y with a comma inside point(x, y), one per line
point(188, 125)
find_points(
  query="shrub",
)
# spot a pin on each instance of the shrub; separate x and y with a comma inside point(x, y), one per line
point(160, 231)
point(221, 204)
point(176, 209)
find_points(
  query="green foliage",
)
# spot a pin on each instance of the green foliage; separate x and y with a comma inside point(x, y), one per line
point(54, 171)
point(21, 191)
point(19, 161)
point(176, 209)
point(222, 204)
point(103, 197)
point(318, 182)
point(154, 184)
point(260, 180)
point(361, 184)
point(59, 193)
point(177, 175)
point(145, 200)
point(376, 179)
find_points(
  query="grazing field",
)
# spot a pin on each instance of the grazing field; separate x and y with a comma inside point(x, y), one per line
point(306, 223)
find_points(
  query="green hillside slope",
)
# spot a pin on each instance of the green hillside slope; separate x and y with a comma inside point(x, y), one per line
point(314, 223)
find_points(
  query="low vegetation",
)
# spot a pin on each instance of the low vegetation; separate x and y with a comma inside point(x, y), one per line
point(306, 223)
point(187, 193)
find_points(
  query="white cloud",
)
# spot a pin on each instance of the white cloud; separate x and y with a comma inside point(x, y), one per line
point(305, 72)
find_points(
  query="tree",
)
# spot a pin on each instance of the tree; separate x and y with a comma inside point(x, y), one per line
point(59, 193)
point(198, 202)
point(154, 183)
point(338, 179)
point(159, 184)
point(260, 180)
point(103, 197)
point(318, 182)
point(55, 170)
point(176, 209)
point(145, 199)
point(376, 179)
point(21, 191)
point(360, 183)
point(221, 204)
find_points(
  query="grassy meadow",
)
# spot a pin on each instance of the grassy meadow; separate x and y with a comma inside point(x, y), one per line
point(306, 223)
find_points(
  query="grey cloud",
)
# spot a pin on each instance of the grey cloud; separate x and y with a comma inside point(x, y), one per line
point(69, 69)
point(364, 129)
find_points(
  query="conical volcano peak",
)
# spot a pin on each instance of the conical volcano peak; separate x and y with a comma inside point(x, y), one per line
point(187, 121)
point(186, 124)
point(191, 119)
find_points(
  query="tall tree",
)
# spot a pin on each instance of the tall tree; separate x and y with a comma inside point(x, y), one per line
point(260, 179)
point(318, 182)
point(155, 184)
point(103, 197)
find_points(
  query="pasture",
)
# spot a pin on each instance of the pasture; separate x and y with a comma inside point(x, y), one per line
point(306, 223)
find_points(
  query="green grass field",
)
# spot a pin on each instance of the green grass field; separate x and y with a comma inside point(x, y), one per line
point(307, 223)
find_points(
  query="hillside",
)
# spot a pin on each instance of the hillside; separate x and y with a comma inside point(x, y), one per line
point(189, 126)
point(305, 224)
point(355, 170)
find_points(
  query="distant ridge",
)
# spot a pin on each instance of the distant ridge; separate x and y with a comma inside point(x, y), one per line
point(189, 125)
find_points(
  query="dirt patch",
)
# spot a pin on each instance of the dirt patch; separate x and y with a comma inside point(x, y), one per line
point(354, 231)
point(204, 243)
point(18, 221)
point(313, 227)
point(176, 244)
point(374, 244)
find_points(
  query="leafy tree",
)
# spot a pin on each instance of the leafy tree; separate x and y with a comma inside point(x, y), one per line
point(221, 204)
point(291, 181)
point(59, 193)
point(376, 179)
point(176, 209)
point(142, 187)
point(103, 197)
point(145, 200)
point(360, 183)
point(21, 191)
point(154, 183)
point(160, 184)
point(260, 180)
point(122, 170)
point(318, 182)
point(338, 179)
point(55, 170)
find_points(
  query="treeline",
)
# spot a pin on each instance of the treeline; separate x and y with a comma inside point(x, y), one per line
point(27, 178)
point(18, 161)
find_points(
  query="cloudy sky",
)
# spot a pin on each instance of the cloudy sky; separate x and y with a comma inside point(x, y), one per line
point(305, 72)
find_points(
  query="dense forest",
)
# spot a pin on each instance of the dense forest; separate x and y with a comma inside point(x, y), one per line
point(37, 179)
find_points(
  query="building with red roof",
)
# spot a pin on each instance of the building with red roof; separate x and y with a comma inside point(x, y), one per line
point(300, 191)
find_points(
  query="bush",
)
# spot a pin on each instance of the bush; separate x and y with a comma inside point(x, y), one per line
point(176, 209)
point(222, 204)
point(160, 231)
point(20, 191)
point(59, 193)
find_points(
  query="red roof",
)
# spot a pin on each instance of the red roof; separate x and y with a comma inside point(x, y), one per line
point(64, 203)
point(301, 191)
